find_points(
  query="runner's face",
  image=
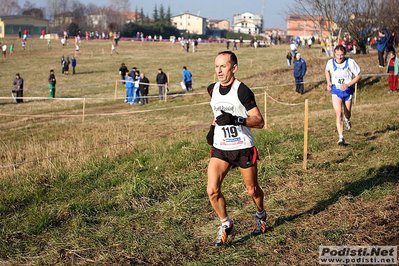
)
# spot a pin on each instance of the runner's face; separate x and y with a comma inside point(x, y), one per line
point(224, 70)
point(339, 56)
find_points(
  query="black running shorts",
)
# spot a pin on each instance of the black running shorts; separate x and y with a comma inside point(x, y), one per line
point(244, 158)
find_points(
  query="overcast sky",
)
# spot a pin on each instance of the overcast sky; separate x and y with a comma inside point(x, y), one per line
point(274, 17)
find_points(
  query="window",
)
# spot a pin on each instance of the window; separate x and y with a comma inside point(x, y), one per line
point(181, 24)
point(189, 24)
point(188, 17)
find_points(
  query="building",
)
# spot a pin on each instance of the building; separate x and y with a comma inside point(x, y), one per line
point(65, 18)
point(11, 25)
point(247, 23)
point(220, 24)
point(190, 23)
point(97, 20)
point(132, 16)
point(306, 26)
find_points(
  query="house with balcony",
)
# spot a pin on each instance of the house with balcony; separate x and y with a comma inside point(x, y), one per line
point(248, 23)
point(306, 26)
point(189, 23)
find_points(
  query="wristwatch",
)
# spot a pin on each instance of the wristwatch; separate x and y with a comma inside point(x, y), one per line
point(240, 120)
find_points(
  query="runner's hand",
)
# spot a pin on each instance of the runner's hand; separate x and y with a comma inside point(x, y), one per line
point(226, 119)
point(209, 137)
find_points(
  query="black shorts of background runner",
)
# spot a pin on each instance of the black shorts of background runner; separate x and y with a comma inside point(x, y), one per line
point(244, 158)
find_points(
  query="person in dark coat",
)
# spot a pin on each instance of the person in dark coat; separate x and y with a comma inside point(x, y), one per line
point(122, 71)
point(143, 87)
point(162, 81)
point(52, 81)
point(19, 87)
point(299, 72)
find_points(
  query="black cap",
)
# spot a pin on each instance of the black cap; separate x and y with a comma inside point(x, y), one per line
point(134, 67)
point(160, 69)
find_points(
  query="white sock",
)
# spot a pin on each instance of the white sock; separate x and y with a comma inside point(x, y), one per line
point(261, 214)
point(341, 136)
point(226, 221)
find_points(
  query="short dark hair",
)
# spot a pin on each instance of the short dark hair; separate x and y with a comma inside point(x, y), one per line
point(52, 70)
point(184, 67)
point(233, 57)
point(340, 48)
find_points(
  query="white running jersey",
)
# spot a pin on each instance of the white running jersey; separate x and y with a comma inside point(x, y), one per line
point(230, 137)
point(342, 73)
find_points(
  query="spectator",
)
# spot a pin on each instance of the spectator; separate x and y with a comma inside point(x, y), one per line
point(52, 81)
point(66, 66)
point(129, 88)
point(4, 50)
point(122, 71)
point(11, 49)
point(381, 43)
point(136, 91)
point(162, 81)
point(19, 88)
point(187, 79)
point(299, 72)
point(73, 63)
point(143, 87)
point(393, 70)
point(62, 65)
point(289, 58)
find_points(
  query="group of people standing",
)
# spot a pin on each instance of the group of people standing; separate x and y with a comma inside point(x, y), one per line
point(136, 85)
point(65, 62)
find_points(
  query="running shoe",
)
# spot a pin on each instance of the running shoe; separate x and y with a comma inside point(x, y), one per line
point(223, 233)
point(260, 227)
point(125, 100)
point(341, 141)
point(348, 123)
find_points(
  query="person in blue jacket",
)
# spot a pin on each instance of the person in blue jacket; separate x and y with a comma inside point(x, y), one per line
point(299, 72)
point(129, 88)
point(381, 44)
point(187, 79)
point(73, 62)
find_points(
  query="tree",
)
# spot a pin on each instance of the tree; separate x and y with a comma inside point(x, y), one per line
point(73, 28)
point(136, 15)
point(155, 14)
point(162, 14)
point(28, 5)
point(141, 16)
point(9, 7)
point(331, 11)
point(168, 17)
point(34, 12)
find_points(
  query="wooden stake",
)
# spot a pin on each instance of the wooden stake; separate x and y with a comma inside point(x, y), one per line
point(84, 106)
point(305, 136)
point(116, 89)
point(166, 92)
point(251, 63)
point(265, 118)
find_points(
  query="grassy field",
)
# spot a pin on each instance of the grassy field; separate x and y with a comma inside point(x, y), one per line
point(127, 185)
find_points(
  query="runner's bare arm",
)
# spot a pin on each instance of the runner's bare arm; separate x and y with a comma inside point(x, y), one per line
point(255, 119)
